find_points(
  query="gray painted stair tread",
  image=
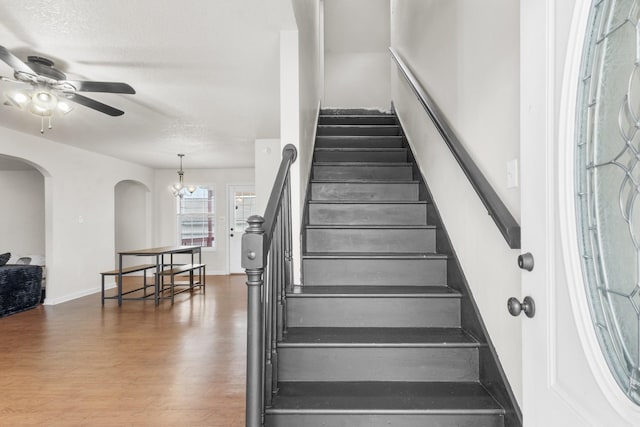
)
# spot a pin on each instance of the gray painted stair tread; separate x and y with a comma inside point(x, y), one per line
point(373, 291)
point(355, 111)
point(370, 227)
point(360, 137)
point(363, 164)
point(399, 203)
point(381, 397)
point(367, 255)
point(385, 115)
point(367, 149)
point(358, 143)
point(364, 181)
point(355, 201)
point(366, 126)
point(378, 337)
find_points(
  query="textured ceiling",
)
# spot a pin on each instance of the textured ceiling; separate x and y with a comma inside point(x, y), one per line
point(206, 74)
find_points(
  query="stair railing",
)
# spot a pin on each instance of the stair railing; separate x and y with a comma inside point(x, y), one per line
point(500, 214)
point(267, 260)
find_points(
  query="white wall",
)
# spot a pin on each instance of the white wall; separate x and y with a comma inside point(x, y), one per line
point(165, 208)
point(356, 57)
point(472, 71)
point(79, 210)
point(290, 133)
point(310, 58)
point(268, 155)
point(300, 59)
point(132, 227)
point(22, 213)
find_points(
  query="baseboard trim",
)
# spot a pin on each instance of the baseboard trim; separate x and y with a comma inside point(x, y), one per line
point(72, 296)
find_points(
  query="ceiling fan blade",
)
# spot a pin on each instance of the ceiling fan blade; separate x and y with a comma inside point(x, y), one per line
point(92, 103)
point(110, 87)
point(14, 62)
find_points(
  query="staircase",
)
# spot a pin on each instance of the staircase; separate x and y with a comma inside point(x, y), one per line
point(375, 335)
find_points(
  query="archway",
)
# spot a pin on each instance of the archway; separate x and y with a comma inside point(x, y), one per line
point(23, 224)
point(132, 216)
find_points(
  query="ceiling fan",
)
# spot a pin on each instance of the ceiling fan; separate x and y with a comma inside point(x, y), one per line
point(50, 88)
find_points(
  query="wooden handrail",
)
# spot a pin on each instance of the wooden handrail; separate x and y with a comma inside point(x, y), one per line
point(289, 155)
point(503, 219)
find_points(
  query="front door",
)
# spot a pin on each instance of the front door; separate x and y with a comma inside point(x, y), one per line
point(242, 204)
point(566, 380)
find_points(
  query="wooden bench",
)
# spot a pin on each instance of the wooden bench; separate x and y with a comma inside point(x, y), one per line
point(191, 283)
point(127, 270)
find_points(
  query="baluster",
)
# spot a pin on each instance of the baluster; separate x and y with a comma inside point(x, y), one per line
point(253, 263)
point(288, 264)
point(275, 248)
point(279, 251)
point(268, 307)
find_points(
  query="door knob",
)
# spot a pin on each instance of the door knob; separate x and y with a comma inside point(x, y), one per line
point(525, 261)
point(516, 307)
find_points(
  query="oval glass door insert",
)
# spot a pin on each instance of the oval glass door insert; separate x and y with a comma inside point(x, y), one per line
point(607, 167)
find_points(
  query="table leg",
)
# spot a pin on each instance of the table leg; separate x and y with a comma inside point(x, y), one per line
point(157, 280)
point(120, 279)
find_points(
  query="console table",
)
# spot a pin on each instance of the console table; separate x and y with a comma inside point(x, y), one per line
point(160, 265)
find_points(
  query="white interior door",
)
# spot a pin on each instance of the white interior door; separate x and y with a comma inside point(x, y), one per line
point(565, 379)
point(242, 204)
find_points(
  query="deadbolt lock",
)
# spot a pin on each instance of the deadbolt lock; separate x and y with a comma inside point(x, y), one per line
point(525, 261)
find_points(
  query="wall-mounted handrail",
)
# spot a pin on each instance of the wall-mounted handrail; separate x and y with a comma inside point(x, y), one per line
point(505, 222)
point(267, 260)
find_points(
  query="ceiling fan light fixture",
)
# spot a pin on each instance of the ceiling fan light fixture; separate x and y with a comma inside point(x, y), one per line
point(18, 99)
point(64, 107)
point(39, 110)
point(44, 97)
point(44, 100)
point(50, 90)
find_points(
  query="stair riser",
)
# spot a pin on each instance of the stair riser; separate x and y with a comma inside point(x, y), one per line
point(370, 240)
point(378, 364)
point(364, 191)
point(356, 120)
point(337, 155)
point(399, 312)
point(374, 272)
point(358, 130)
point(383, 420)
point(367, 214)
point(359, 142)
point(363, 172)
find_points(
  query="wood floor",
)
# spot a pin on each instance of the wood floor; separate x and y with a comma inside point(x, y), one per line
point(81, 364)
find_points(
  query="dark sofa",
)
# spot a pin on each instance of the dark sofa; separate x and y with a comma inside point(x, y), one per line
point(20, 288)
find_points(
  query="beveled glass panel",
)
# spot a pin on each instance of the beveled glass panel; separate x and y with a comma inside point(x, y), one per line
point(607, 167)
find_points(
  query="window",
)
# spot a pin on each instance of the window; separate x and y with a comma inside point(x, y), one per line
point(196, 218)
point(245, 206)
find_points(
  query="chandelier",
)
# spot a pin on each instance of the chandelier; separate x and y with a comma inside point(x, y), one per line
point(179, 189)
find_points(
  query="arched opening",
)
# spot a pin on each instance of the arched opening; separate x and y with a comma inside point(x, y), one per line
point(132, 220)
point(23, 219)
